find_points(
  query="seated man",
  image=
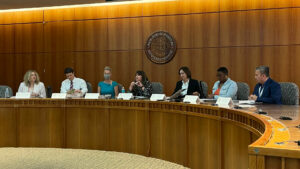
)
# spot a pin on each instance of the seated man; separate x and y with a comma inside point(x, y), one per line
point(72, 83)
point(267, 90)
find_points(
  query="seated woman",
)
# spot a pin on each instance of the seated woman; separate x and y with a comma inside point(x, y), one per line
point(141, 86)
point(32, 84)
point(108, 86)
point(188, 85)
point(224, 87)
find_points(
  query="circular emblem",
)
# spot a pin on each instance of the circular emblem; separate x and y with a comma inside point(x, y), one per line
point(160, 47)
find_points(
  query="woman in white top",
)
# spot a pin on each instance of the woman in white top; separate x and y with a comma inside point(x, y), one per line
point(32, 84)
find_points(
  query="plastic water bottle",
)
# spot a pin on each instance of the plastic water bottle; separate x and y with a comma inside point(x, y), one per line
point(6, 94)
point(123, 90)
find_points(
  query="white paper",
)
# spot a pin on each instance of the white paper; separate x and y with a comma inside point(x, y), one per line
point(125, 96)
point(246, 102)
point(59, 95)
point(156, 97)
point(23, 95)
point(224, 102)
point(92, 95)
point(191, 99)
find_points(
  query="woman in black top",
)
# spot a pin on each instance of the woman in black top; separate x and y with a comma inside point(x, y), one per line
point(187, 84)
point(141, 86)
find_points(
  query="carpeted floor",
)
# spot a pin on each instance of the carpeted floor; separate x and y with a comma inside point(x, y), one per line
point(51, 158)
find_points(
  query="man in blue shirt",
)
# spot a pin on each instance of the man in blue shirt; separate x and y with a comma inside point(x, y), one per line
point(267, 90)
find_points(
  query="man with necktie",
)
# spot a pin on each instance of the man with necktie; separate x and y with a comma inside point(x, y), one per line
point(73, 83)
point(266, 90)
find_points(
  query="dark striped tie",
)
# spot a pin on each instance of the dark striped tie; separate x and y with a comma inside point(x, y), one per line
point(71, 86)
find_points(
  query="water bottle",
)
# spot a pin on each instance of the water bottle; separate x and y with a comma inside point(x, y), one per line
point(6, 94)
point(123, 90)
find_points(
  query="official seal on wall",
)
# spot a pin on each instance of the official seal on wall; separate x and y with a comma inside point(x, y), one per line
point(160, 47)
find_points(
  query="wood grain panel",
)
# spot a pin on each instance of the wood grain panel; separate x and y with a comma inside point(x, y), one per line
point(273, 162)
point(8, 128)
point(41, 127)
point(204, 143)
point(127, 10)
point(54, 69)
point(53, 33)
point(240, 67)
point(168, 137)
point(69, 39)
point(92, 12)
point(59, 14)
point(153, 24)
point(28, 38)
point(129, 131)
point(205, 30)
point(234, 146)
point(155, 8)
point(295, 64)
point(124, 34)
point(292, 163)
point(124, 66)
point(29, 16)
point(90, 66)
point(87, 128)
point(94, 35)
point(8, 64)
point(277, 3)
point(277, 27)
point(295, 30)
point(233, 5)
point(279, 68)
point(240, 28)
point(7, 38)
point(180, 28)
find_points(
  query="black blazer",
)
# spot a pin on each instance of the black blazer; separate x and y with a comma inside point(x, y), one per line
point(193, 87)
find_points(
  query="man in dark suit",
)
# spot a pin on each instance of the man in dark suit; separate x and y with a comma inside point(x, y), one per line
point(188, 85)
point(267, 90)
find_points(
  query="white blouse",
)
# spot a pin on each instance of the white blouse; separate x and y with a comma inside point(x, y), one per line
point(38, 89)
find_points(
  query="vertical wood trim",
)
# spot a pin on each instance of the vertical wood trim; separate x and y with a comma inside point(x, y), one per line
point(252, 162)
point(282, 163)
point(260, 162)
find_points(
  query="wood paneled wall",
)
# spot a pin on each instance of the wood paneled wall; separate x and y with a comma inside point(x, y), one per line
point(238, 34)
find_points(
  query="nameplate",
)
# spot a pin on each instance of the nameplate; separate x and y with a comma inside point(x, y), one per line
point(59, 95)
point(92, 95)
point(225, 102)
point(157, 97)
point(125, 96)
point(191, 99)
point(23, 95)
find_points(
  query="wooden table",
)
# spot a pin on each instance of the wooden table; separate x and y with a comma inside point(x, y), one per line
point(196, 136)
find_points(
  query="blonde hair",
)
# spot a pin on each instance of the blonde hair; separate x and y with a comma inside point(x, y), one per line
point(27, 77)
point(107, 68)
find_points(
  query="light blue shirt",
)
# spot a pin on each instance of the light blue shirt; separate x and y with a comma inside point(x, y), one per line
point(78, 84)
point(228, 89)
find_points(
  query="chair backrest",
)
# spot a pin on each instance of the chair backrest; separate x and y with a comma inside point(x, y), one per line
point(3, 89)
point(204, 88)
point(89, 87)
point(157, 88)
point(243, 91)
point(290, 93)
point(49, 92)
point(120, 86)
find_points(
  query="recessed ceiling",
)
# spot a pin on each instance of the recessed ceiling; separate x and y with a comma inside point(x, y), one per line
point(17, 4)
